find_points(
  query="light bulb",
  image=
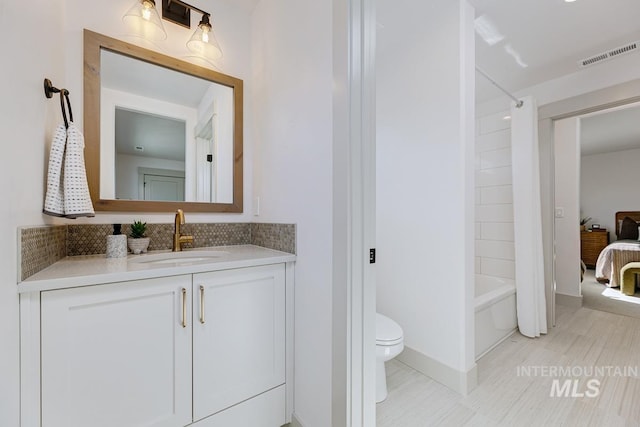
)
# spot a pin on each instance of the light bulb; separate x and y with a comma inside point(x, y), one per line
point(146, 11)
point(142, 20)
point(205, 36)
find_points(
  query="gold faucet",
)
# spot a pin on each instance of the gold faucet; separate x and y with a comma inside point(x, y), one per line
point(178, 238)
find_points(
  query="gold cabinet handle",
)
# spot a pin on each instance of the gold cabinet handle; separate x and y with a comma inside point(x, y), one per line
point(184, 308)
point(202, 304)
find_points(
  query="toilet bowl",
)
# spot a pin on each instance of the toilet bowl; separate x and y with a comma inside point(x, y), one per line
point(389, 344)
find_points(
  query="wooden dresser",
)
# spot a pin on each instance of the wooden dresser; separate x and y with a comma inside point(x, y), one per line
point(591, 244)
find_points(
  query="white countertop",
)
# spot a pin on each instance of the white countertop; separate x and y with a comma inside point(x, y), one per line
point(77, 271)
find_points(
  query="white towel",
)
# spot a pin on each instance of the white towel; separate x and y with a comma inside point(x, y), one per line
point(54, 200)
point(67, 189)
point(77, 200)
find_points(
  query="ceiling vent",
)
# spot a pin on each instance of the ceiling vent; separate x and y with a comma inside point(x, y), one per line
point(605, 56)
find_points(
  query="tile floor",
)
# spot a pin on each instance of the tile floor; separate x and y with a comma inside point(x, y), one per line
point(582, 338)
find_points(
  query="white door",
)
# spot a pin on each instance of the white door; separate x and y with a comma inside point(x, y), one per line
point(117, 355)
point(238, 336)
point(204, 170)
point(163, 188)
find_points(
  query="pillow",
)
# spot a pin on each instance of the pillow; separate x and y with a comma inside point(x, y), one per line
point(628, 230)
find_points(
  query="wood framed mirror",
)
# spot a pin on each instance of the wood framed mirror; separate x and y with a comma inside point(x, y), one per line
point(160, 133)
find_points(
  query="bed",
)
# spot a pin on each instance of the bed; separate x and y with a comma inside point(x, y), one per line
point(621, 252)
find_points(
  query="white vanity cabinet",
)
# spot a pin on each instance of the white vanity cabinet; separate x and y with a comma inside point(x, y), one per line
point(117, 355)
point(206, 349)
point(238, 336)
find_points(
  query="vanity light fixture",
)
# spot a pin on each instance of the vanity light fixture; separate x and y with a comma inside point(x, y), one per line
point(203, 42)
point(143, 20)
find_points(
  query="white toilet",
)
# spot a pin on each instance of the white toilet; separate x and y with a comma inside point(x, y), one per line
point(389, 344)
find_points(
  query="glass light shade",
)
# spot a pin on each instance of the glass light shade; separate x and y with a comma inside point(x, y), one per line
point(143, 20)
point(203, 42)
point(204, 62)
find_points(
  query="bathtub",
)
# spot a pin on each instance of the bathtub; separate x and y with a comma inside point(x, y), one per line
point(495, 306)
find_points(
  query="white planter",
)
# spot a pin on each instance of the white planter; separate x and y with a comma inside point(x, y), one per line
point(138, 246)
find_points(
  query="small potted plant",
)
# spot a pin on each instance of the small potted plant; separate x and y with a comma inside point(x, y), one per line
point(137, 241)
point(583, 222)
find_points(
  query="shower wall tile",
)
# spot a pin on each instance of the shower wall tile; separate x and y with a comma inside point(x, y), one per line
point(497, 231)
point(495, 158)
point(494, 123)
point(498, 268)
point(493, 141)
point(496, 249)
point(494, 213)
point(493, 176)
point(502, 194)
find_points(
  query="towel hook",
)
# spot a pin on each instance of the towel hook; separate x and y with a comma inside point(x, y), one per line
point(64, 112)
point(49, 90)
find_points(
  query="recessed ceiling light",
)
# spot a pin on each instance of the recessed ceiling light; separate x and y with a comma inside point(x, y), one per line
point(569, 1)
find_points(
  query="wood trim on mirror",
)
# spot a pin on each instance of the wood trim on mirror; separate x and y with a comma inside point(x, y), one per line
point(93, 43)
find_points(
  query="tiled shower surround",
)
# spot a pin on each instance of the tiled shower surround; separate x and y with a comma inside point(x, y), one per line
point(43, 246)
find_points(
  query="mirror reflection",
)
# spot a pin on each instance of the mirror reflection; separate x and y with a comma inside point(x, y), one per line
point(165, 135)
point(149, 157)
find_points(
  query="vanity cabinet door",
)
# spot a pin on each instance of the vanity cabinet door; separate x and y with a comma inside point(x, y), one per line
point(117, 355)
point(238, 336)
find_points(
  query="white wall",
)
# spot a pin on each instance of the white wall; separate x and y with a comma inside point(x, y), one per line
point(27, 122)
point(425, 191)
point(293, 86)
point(608, 184)
point(495, 251)
point(567, 228)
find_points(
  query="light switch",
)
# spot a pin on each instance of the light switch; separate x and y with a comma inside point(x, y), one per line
point(559, 212)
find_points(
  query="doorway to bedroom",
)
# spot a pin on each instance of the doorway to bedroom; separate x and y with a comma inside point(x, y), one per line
point(597, 157)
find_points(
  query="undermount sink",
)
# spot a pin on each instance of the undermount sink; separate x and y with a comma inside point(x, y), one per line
point(180, 258)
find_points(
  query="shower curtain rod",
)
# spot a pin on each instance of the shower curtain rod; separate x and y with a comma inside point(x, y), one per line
point(493, 82)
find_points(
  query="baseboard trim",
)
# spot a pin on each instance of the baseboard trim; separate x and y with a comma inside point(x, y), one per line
point(295, 422)
point(569, 300)
point(458, 381)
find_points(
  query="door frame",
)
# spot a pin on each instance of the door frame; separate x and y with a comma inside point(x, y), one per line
point(353, 296)
point(610, 97)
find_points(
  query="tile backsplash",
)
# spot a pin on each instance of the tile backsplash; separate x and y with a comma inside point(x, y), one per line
point(281, 237)
point(90, 239)
point(41, 247)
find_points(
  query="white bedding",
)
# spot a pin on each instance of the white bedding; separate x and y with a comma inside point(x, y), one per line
point(612, 258)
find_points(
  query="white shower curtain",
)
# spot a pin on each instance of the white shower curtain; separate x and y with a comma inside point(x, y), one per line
point(531, 304)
